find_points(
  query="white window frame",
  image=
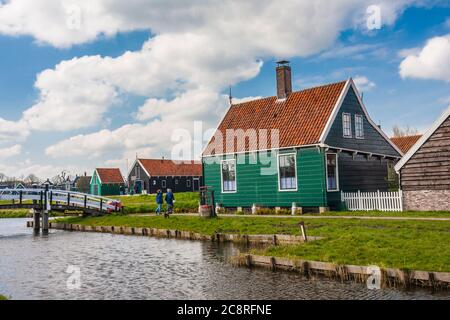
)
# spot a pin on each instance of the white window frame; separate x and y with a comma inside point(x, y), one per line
point(188, 183)
point(359, 116)
point(337, 172)
point(163, 184)
point(344, 114)
point(278, 169)
point(235, 175)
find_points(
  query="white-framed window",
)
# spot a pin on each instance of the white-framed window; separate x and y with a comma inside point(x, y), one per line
point(347, 125)
point(287, 172)
point(359, 126)
point(188, 183)
point(163, 183)
point(332, 172)
point(176, 181)
point(228, 172)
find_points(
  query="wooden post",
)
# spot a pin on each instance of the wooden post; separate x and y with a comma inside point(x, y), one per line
point(68, 199)
point(45, 213)
point(101, 205)
point(36, 221)
point(303, 229)
point(85, 201)
point(21, 195)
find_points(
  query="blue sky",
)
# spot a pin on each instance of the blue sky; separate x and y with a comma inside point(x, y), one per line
point(146, 70)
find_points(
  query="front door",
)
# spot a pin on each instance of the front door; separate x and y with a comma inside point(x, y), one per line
point(138, 187)
point(196, 184)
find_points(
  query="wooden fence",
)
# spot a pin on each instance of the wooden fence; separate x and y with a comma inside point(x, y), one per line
point(367, 201)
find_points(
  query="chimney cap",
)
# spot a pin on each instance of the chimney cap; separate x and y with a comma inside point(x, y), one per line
point(282, 63)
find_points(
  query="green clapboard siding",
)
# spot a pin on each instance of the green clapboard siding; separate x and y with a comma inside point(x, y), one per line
point(254, 187)
point(104, 189)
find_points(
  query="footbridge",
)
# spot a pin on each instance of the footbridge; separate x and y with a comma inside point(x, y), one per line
point(57, 200)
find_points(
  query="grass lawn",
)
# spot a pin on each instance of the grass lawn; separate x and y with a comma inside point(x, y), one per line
point(418, 245)
point(16, 213)
point(3, 297)
point(425, 214)
point(184, 202)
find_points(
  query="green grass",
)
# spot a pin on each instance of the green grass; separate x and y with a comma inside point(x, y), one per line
point(2, 297)
point(185, 202)
point(424, 214)
point(16, 213)
point(415, 245)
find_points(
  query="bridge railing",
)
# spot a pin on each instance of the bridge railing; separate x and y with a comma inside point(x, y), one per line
point(70, 198)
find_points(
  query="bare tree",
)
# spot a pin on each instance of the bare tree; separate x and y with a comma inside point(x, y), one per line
point(32, 179)
point(403, 132)
point(3, 177)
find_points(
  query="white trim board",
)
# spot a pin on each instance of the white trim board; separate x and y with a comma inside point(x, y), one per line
point(422, 140)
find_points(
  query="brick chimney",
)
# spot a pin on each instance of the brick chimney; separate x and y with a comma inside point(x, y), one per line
point(284, 82)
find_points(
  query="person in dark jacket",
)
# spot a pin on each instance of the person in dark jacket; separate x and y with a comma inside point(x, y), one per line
point(159, 201)
point(170, 199)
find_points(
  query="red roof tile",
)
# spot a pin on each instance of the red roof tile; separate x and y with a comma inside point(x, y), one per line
point(405, 143)
point(300, 119)
point(110, 175)
point(162, 167)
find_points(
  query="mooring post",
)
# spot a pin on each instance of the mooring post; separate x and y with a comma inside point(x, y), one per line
point(302, 228)
point(45, 225)
point(36, 221)
point(21, 195)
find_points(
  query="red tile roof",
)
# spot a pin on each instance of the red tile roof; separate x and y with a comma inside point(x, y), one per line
point(110, 175)
point(300, 119)
point(405, 143)
point(164, 167)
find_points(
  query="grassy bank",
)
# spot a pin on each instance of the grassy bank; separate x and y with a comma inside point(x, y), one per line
point(184, 202)
point(16, 213)
point(3, 297)
point(419, 245)
point(415, 214)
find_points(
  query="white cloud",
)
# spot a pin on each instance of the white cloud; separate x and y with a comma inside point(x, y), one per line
point(153, 137)
point(10, 151)
point(363, 83)
point(11, 131)
point(432, 62)
point(245, 99)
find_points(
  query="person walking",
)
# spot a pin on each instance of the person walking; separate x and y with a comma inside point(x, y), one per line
point(170, 199)
point(159, 201)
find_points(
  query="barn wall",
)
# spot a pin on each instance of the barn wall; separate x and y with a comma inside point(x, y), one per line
point(429, 167)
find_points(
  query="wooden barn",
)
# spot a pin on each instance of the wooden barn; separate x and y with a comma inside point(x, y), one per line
point(148, 175)
point(425, 169)
point(326, 143)
point(107, 182)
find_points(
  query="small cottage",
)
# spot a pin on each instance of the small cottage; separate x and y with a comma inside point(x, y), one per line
point(148, 175)
point(425, 169)
point(107, 182)
point(300, 148)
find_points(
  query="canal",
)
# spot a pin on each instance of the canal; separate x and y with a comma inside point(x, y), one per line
point(127, 267)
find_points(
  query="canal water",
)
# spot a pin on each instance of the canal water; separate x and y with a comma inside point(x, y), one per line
point(131, 267)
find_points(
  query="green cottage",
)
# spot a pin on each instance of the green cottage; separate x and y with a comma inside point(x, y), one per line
point(300, 148)
point(107, 182)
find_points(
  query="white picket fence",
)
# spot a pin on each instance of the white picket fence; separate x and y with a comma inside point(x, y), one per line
point(367, 201)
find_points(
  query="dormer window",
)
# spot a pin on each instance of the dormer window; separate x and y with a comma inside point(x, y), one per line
point(347, 125)
point(359, 126)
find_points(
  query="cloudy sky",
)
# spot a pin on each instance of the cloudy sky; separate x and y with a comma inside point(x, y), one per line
point(92, 83)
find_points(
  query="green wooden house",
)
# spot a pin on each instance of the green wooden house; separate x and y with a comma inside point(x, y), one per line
point(300, 148)
point(107, 182)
